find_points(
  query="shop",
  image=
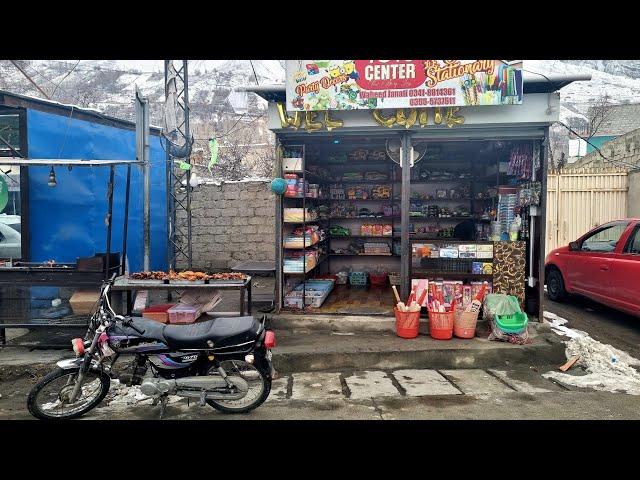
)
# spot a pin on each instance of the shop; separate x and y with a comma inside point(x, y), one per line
point(380, 193)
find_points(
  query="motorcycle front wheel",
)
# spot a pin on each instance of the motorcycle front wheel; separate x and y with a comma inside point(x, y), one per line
point(49, 398)
point(259, 387)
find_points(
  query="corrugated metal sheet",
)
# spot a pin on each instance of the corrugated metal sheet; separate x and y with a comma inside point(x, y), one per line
point(67, 221)
point(578, 200)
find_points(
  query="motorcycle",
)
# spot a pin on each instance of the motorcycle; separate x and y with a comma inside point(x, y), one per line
point(225, 363)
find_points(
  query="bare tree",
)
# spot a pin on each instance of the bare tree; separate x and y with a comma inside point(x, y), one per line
point(599, 114)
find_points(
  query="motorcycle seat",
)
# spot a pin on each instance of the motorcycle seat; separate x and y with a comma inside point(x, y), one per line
point(223, 332)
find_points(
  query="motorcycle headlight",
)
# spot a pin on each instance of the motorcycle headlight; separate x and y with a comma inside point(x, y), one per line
point(78, 346)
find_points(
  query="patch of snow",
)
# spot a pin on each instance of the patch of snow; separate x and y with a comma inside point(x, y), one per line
point(608, 369)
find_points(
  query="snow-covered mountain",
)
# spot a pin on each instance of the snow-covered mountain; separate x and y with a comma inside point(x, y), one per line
point(109, 85)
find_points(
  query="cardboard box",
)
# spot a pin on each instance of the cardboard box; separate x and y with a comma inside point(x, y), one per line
point(449, 252)
point(83, 301)
point(467, 250)
point(158, 312)
point(292, 164)
point(484, 251)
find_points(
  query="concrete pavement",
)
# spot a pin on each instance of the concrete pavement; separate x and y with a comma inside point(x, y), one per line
point(380, 395)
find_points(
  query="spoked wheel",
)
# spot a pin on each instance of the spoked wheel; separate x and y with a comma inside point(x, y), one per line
point(49, 398)
point(259, 387)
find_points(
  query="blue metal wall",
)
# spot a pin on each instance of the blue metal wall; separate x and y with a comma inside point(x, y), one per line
point(67, 221)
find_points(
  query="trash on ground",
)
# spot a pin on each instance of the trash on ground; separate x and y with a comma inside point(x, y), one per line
point(607, 368)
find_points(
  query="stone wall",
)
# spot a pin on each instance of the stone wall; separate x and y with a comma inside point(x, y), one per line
point(623, 152)
point(232, 222)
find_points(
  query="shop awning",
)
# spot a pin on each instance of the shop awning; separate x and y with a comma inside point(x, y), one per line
point(533, 83)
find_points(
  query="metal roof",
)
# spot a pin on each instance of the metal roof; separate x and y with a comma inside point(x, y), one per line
point(40, 162)
point(25, 101)
point(532, 83)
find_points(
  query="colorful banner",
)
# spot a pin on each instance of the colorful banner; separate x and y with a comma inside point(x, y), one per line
point(372, 84)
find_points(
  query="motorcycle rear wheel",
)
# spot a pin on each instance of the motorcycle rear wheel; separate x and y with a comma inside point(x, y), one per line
point(259, 387)
point(96, 384)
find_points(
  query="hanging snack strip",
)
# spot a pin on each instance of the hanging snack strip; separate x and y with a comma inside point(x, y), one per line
point(521, 162)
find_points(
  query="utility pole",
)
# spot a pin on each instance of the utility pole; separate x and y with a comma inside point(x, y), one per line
point(15, 64)
point(179, 142)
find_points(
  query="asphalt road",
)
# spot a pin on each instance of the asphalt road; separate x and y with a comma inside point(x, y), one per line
point(600, 322)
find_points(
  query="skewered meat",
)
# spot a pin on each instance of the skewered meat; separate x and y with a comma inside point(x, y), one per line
point(187, 275)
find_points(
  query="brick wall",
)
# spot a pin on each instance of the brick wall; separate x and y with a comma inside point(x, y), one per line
point(232, 222)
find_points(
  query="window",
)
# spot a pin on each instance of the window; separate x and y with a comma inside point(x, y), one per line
point(604, 240)
point(9, 133)
point(633, 246)
point(10, 213)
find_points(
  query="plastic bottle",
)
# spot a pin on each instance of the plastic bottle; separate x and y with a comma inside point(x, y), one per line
point(514, 228)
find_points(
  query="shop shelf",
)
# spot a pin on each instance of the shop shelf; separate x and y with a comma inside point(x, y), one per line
point(317, 220)
point(322, 259)
point(363, 255)
point(388, 200)
point(359, 182)
point(307, 246)
point(438, 273)
point(364, 236)
point(365, 218)
point(435, 182)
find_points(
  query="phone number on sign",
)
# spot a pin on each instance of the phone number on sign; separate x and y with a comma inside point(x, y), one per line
point(433, 101)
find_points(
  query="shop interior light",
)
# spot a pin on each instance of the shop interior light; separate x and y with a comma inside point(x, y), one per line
point(336, 141)
point(52, 178)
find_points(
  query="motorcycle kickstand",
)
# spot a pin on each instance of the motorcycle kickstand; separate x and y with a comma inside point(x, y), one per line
point(163, 405)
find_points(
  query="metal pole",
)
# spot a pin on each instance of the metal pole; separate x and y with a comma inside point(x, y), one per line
point(405, 207)
point(109, 218)
point(125, 227)
point(542, 226)
point(142, 154)
point(187, 137)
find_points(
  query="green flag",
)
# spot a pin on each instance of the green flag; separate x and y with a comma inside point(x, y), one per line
point(4, 193)
point(213, 149)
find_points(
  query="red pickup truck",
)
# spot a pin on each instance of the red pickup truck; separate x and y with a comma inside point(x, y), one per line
point(603, 264)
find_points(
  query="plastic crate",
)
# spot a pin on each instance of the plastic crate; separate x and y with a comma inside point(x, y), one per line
point(158, 312)
point(378, 279)
point(341, 278)
point(358, 279)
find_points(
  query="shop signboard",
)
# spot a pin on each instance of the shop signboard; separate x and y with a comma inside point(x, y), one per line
point(317, 85)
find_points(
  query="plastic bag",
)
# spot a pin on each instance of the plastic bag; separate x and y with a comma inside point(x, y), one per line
point(499, 335)
point(499, 304)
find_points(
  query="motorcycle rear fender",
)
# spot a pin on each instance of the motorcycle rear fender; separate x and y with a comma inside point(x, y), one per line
point(72, 363)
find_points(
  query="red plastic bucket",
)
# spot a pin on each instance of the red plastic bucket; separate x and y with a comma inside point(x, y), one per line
point(407, 323)
point(441, 325)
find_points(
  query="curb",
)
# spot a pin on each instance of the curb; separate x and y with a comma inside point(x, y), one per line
point(543, 352)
